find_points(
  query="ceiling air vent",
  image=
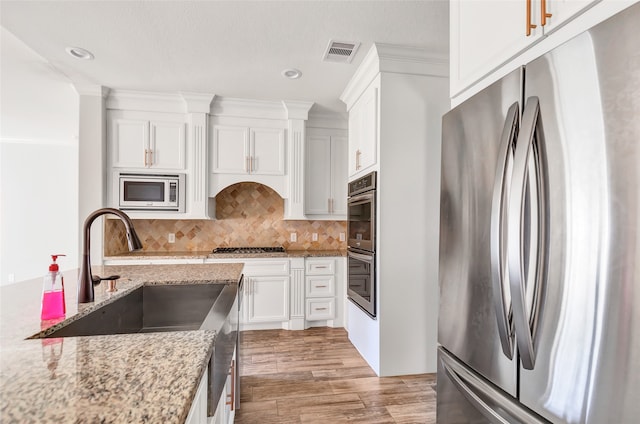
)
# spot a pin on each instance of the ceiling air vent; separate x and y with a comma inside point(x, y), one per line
point(339, 51)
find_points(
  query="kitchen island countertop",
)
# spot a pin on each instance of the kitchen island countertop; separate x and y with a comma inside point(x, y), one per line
point(149, 377)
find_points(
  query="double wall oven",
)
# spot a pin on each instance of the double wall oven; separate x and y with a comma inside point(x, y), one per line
point(361, 228)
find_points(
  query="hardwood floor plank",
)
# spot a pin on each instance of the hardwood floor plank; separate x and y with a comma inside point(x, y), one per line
point(413, 413)
point(317, 376)
point(319, 404)
point(362, 416)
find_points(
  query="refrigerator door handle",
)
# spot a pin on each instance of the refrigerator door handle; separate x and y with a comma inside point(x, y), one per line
point(499, 274)
point(491, 402)
point(471, 396)
point(528, 231)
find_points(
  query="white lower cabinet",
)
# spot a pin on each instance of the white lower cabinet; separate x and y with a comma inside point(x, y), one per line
point(321, 309)
point(226, 410)
point(198, 411)
point(267, 299)
point(320, 289)
point(266, 291)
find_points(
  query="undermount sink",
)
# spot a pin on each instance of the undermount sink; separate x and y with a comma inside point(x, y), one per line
point(147, 309)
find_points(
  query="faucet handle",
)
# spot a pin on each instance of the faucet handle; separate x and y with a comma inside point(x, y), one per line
point(111, 279)
point(97, 279)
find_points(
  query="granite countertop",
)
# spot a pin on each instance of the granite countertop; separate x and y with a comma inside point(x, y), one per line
point(107, 379)
point(209, 255)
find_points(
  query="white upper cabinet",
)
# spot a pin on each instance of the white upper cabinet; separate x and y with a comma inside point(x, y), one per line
point(267, 151)
point(244, 150)
point(363, 132)
point(560, 11)
point(484, 35)
point(146, 143)
point(231, 150)
point(326, 176)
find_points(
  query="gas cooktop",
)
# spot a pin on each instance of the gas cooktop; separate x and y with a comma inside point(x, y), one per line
point(247, 250)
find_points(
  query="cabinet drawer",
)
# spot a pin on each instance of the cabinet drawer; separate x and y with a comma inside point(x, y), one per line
point(319, 309)
point(320, 286)
point(320, 267)
point(259, 268)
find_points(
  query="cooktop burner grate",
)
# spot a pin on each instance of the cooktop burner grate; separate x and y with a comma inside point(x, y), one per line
point(278, 249)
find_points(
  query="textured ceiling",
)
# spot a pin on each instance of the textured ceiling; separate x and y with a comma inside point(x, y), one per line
point(228, 48)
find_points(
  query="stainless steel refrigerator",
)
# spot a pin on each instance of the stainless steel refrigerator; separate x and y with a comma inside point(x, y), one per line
point(540, 239)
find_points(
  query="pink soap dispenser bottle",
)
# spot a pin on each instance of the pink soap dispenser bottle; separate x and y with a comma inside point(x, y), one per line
point(53, 305)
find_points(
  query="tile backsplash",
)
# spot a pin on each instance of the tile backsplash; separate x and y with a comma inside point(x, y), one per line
point(248, 214)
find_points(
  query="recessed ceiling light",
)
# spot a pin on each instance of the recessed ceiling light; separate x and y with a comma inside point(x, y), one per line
point(79, 53)
point(291, 73)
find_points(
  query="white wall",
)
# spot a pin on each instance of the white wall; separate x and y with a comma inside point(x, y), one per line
point(38, 164)
point(411, 109)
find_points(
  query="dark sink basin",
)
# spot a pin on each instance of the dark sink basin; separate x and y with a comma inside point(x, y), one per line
point(149, 309)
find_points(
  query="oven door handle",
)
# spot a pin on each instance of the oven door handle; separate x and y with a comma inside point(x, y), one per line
point(361, 256)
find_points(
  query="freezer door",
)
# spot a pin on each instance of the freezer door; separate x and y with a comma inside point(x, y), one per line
point(474, 319)
point(586, 349)
point(464, 397)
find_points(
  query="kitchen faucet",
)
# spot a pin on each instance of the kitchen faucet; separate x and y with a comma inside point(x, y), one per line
point(86, 281)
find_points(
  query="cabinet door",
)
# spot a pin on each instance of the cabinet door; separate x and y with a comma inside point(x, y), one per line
point(167, 145)
point(339, 177)
point(129, 141)
point(267, 151)
point(368, 129)
point(318, 175)
point(563, 10)
point(268, 299)
point(354, 138)
point(230, 150)
point(485, 34)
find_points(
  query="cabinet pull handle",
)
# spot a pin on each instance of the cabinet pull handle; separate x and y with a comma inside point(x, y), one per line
point(321, 287)
point(529, 24)
point(544, 15)
point(232, 395)
point(320, 309)
point(246, 164)
point(146, 152)
point(358, 152)
point(150, 157)
point(252, 163)
point(321, 266)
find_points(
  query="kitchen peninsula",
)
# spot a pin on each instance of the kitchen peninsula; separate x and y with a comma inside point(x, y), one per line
point(149, 377)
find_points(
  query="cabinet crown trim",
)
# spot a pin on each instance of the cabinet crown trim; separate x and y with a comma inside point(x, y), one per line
point(297, 109)
point(248, 108)
point(197, 102)
point(145, 101)
point(394, 59)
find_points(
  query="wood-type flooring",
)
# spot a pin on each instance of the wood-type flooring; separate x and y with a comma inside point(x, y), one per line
point(317, 376)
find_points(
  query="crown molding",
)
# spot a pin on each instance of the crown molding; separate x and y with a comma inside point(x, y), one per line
point(91, 90)
point(328, 120)
point(197, 102)
point(297, 109)
point(146, 101)
point(248, 108)
point(393, 58)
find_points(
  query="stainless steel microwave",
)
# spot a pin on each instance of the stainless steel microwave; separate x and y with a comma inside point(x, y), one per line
point(151, 192)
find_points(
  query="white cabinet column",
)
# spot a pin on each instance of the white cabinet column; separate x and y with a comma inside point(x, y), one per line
point(297, 114)
point(92, 162)
point(198, 107)
point(296, 316)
